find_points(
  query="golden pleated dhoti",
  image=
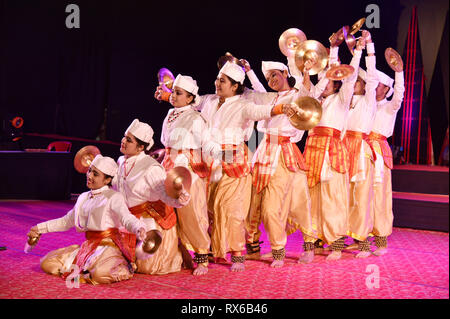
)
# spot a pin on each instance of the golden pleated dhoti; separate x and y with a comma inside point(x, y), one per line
point(383, 216)
point(229, 200)
point(360, 218)
point(193, 220)
point(329, 196)
point(298, 204)
point(107, 267)
point(167, 259)
point(329, 207)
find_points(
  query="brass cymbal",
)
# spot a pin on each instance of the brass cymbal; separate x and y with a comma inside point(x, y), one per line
point(314, 51)
point(32, 241)
point(338, 37)
point(350, 41)
point(393, 59)
point(152, 241)
point(228, 57)
point(290, 40)
point(84, 158)
point(308, 115)
point(339, 72)
point(158, 154)
point(176, 178)
point(358, 24)
point(165, 79)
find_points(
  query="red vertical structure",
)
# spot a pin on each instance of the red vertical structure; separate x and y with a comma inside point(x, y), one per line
point(412, 128)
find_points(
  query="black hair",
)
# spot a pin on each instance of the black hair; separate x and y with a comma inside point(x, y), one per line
point(108, 176)
point(291, 81)
point(142, 143)
point(240, 88)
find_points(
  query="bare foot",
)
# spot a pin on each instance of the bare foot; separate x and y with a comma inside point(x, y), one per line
point(237, 267)
point(200, 270)
point(335, 255)
point(306, 257)
point(277, 264)
point(363, 254)
point(380, 251)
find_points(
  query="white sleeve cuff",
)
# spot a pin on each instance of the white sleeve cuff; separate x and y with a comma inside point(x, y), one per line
point(370, 48)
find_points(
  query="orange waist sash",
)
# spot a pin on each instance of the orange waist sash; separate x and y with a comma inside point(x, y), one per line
point(352, 142)
point(195, 160)
point(164, 215)
point(126, 242)
point(380, 144)
point(320, 139)
point(292, 156)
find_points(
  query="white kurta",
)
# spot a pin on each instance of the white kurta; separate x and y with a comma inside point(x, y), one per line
point(335, 109)
point(387, 110)
point(96, 210)
point(105, 209)
point(230, 123)
point(140, 179)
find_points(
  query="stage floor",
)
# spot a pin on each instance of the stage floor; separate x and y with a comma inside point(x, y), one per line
point(416, 267)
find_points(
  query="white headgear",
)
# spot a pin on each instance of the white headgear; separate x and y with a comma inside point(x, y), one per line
point(142, 131)
point(105, 164)
point(386, 80)
point(186, 83)
point(266, 66)
point(234, 71)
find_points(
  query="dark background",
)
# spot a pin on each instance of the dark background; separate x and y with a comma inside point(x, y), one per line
point(61, 80)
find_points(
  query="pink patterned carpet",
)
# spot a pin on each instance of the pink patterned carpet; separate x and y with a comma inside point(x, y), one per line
point(416, 267)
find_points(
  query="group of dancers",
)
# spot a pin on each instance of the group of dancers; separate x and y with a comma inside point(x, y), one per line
point(339, 187)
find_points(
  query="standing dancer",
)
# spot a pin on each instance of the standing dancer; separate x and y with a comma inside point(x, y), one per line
point(326, 158)
point(229, 117)
point(361, 158)
point(141, 179)
point(184, 132)
point(383, 127)
point(278, 167)
point(107, 255)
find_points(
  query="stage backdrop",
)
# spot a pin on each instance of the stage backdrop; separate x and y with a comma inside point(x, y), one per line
point(92, 81)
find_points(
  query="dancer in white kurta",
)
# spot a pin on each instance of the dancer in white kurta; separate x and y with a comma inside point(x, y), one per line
point(184, 133)
point(383, 127)
point(107, 255)
point(361, 158)
point(141, 179)
point(230, 118)
point(326, 157)
point(278, 167)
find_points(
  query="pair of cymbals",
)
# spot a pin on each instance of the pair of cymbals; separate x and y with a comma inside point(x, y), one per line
point(152, 241)
point(165, 79)
point(339, 72)
point(349, 35)
point(338, 37)
point(84, 158)
point(313, 51)
point(177, 178)
point(290, 40)
point(308, 115)
point(228, 57)
point(393, 59)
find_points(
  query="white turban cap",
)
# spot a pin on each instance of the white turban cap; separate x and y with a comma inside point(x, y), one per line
point(234, 71)
point(386, 80)
point(105, 164)
point(142, 131)
point(269, 65)
point(186, 83)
